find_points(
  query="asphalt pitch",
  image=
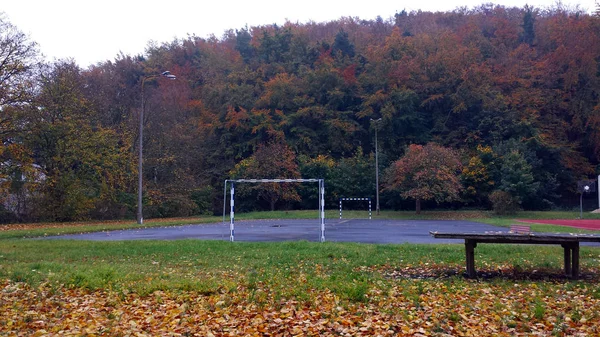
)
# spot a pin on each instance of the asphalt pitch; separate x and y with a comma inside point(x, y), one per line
point(351, 230)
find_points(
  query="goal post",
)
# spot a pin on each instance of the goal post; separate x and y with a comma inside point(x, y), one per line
point(355, 199)
point(232, 201)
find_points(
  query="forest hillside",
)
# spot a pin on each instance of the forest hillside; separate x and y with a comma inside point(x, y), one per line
point(513, 93)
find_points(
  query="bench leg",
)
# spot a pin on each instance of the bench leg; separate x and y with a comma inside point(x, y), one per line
point(567, 250)
point(571, 260)
point(470, 255)
point(575, 263)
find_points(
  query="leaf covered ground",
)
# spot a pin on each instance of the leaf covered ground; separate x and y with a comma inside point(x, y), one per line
point(397, 304)
point(427, 309)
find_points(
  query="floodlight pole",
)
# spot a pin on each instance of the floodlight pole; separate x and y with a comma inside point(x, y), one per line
point(376, 168)
point(140, 217)
point(581, 205)
point(585, 189)
point(232, 214)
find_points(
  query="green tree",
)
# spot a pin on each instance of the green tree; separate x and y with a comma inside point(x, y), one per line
point(242, 44)
point(427, 172)
point(528, 26)
point(353, 177)
point(517, 177)
point(320, 167)
point(342, 45)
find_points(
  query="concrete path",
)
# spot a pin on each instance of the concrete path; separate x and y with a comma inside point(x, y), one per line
point(356, 230)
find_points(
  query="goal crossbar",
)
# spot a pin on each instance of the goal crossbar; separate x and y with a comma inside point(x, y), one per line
point(274, 180)
point(232, 183)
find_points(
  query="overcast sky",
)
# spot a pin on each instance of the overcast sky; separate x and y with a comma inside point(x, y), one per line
point(93, 31)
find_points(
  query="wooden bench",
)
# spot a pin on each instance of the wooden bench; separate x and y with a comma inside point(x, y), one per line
point(569, 242)
point(520, 229)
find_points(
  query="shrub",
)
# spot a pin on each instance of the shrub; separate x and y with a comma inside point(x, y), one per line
point(503, 203)
point(203, 198)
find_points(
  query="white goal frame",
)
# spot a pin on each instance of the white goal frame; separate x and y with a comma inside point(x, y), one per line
point(232, 202)
point(355, 199)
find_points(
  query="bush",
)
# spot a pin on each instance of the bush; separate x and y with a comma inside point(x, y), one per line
point(503, 203)
point(203, 198)
point(6, 216)
point(167, 206)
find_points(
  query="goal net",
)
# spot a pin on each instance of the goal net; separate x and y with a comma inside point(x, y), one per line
point(355, 199)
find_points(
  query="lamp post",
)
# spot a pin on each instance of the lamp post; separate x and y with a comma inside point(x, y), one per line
point(586, 189)
point(167, 74)
point(376, 167)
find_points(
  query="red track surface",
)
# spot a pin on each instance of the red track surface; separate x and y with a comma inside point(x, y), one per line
point(584, 224)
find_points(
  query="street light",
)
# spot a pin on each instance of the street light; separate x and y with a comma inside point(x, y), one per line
point(166, 74)
point(376, 167)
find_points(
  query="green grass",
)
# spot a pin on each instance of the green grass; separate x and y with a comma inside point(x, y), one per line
point(14, 231)
point(289, 268)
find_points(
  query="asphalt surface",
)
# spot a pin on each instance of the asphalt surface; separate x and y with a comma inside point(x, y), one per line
point(355, 230)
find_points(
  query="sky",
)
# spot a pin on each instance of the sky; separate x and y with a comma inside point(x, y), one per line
point(92, 31)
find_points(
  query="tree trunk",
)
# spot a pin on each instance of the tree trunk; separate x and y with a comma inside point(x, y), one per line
point(418, 206)
point(273, 205)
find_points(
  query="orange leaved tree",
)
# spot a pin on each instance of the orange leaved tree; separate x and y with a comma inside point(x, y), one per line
point(272, 161)
point(429, 172)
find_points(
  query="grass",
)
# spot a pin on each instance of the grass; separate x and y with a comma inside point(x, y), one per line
point(32, 230)
point(150, 265)
point(292, 268)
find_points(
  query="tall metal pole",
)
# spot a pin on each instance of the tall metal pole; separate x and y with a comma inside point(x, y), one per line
point(322, 207)
point(140, 218)
point(581, 205)
point(167, 74)
point(232, 214)
point(376, 175)
point(375, 121)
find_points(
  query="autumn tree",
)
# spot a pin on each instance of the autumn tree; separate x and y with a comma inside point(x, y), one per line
point(19, 62)
point(478, 175)
point(272, 161)
point(19, 58)
point(428, 172)
point(83, 163)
